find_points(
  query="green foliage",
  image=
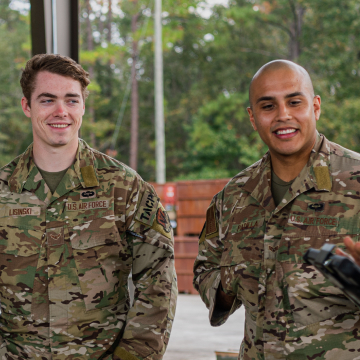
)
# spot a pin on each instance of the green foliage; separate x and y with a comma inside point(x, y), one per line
point(221, 139)
point(15, 128)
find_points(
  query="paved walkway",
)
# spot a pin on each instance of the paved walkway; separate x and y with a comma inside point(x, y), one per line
point(192, 337)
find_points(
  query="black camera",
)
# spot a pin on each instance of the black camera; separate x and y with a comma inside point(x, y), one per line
point(340, 270)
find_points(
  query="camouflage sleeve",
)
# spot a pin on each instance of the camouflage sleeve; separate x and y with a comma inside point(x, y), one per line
point(207, 266)
point(149, 320)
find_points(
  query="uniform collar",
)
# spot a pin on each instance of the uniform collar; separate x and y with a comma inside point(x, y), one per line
point(259, 182)
point(27, 176)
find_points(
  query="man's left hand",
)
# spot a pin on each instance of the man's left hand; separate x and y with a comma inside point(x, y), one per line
point(353, 249)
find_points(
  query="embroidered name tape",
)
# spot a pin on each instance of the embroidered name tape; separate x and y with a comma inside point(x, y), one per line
point(25, 211)
point(89, 205)
point(147, 209)
point(313, 220)
point(252, 224)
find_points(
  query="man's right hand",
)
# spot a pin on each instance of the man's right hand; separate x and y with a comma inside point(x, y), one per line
point(353, 249)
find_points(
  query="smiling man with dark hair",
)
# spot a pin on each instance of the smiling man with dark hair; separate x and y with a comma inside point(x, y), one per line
point(303, 193)
point(73, 224)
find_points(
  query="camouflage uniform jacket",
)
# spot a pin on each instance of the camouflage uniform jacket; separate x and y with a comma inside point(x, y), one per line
point(65, 259)
point(291, 311)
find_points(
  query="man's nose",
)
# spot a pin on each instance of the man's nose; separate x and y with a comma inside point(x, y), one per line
point(60, 110)
point(283, 112)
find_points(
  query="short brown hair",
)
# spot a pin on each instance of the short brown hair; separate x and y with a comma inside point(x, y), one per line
point(56, 64)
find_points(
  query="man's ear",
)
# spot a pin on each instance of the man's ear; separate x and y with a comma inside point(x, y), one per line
point(251, 116)
point(317, 107)
point(25, 106)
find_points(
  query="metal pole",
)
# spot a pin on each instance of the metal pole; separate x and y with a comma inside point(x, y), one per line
point(54, 26)
point(159, 98)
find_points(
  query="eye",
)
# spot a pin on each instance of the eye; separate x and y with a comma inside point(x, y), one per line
point(46, 101)
point(73, 101)
point(295, 102)
point(267, 106)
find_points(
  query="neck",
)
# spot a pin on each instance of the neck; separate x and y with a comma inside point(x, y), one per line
point(288, 168)
point(54, 159)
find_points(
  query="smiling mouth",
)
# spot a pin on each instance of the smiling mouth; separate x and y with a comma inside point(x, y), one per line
point(59, 125)
point(284, 132)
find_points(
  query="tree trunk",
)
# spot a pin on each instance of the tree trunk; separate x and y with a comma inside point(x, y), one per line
point(90, 47)
point(134, 98)
point(295, 30)
point(109, 22)
point(101, 23)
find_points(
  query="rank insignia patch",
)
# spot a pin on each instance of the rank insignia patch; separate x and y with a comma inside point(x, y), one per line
point(163, 219)
point(55, 236)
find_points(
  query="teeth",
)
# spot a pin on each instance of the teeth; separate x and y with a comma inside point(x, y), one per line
point(59, 126)
point(288, 131)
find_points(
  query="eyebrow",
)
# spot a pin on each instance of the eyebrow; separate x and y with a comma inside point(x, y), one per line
point(52, 96)
point(267, 98)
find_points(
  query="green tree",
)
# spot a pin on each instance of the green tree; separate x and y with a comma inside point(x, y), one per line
point(15, 128)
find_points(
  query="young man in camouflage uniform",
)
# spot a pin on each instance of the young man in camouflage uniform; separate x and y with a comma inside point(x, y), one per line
point(303, 193)
point(73, 224)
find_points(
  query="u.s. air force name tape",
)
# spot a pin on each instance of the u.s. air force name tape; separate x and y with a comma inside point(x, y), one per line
point(88, 205)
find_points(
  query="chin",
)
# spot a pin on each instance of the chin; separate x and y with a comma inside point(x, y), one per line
point(59, 143)
point(287, 152)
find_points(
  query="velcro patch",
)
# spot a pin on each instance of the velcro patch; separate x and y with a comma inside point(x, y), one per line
point(146, 213)
point(322, 177)
point(162, 222)
point(247, 225)
point(88, 205)
point(24, 211)
point(211, 224)
point(313, 220)
point(89, 176)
